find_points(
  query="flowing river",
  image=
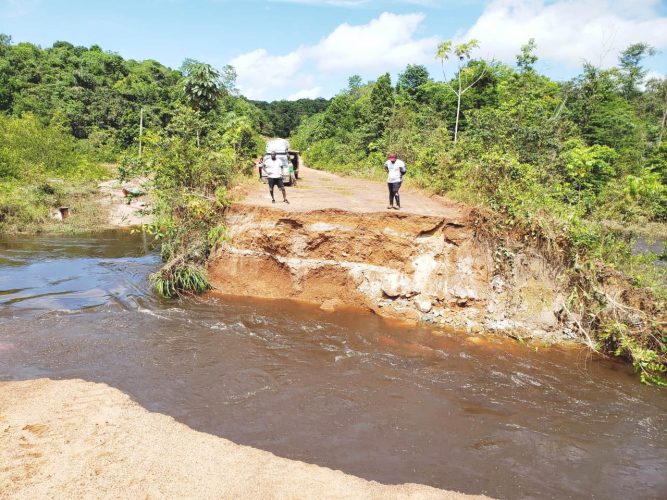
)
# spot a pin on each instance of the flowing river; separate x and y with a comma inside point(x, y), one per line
point(345, 390)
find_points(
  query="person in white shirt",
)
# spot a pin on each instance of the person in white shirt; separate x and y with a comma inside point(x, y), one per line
point(273, 168)
point(395, 169)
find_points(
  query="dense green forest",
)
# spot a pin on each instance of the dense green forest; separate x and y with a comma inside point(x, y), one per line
point(591, 148)
point(65, 110)
point(562, 164)
point(284, 116)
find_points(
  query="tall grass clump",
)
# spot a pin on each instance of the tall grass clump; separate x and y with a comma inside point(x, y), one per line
point(178, 278)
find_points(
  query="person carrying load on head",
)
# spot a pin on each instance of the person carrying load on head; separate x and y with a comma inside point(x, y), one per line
point(273, 168)
point(395, 169)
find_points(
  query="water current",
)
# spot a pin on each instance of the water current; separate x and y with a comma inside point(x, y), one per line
point(349, 391)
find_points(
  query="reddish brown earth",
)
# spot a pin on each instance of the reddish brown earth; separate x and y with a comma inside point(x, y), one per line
point(336, 245)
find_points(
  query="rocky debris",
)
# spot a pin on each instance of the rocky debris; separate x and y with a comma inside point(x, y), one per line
point(423, 304)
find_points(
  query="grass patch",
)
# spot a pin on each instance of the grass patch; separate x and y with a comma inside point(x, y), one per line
point(179, 277)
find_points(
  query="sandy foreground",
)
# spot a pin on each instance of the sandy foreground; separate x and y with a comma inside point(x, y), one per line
point(77, 439)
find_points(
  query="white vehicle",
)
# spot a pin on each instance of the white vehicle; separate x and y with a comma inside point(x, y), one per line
point(289, 158)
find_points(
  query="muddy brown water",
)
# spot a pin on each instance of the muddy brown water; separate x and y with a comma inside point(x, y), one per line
point(344, 390)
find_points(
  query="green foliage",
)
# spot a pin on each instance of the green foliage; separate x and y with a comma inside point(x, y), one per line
point(381, 107)
point(649, 363)
point(632, 74)
point(179, 278)
point(192, 162)
point(586, 170)
point(203, 85)
point(41, 167)
point(413, 77)
point(527, 58)
point(282, 117)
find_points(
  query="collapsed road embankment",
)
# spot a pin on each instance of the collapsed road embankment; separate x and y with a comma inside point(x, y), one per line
point(406, 266)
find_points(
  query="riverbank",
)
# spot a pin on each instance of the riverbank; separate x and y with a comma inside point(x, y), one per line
point(71, 438)
point(79, 207)
point(404, 266)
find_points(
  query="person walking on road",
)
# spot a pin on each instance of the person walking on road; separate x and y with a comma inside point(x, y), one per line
point(395, 169)
point(260, 166)
point(273, 168)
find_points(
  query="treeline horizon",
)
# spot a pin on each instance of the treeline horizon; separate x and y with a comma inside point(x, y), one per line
point(99, 94)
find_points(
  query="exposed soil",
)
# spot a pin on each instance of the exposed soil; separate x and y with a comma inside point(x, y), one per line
point(76, 439)
point(317, 190)
point(337, 245)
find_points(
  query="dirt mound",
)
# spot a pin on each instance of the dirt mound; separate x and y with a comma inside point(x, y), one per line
point(76, 439)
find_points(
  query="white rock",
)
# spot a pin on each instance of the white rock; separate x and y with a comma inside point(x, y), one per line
point(461, 292)
point(423, 304)
point(391, 285)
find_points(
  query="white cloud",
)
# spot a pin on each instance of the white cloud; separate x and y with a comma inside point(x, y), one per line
point(259, 71)
point(569, 31)
point(310, 93)
point(386, 43)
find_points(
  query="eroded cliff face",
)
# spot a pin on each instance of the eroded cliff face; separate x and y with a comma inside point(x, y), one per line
point(402, 266)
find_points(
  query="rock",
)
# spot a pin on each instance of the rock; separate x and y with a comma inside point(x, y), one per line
point(423, 304)
point(395, 285)
point(497, 283)
point(499, 325)
point(391, 285)
point(464, 293)
point(546, 319)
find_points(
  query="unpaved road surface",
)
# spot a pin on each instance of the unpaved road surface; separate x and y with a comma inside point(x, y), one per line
point(76, 439)
point(316, 190)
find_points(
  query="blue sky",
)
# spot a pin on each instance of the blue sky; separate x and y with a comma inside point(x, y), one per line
point(293, 48)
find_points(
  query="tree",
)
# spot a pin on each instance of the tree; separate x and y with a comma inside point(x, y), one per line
point(527, 58)
point(414, 76)
point(381, 106)
point(657, 93)
point(354, 83)
point(632, 73)
point(203, 85)
point(5, 42)
point(228, 79)
point(467, 77)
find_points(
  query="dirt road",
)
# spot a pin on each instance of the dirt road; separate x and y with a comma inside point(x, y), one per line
point(318, 190)
point(76, 439)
